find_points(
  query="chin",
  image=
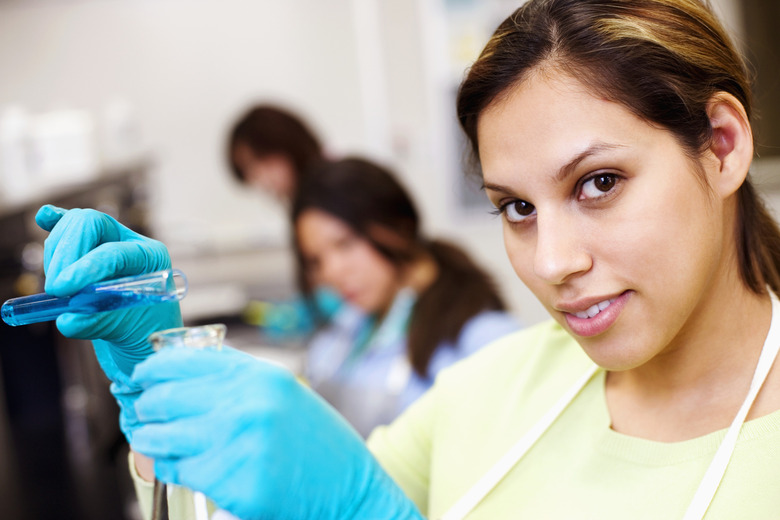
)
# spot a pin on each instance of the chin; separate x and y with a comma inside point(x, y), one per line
point(613, 358)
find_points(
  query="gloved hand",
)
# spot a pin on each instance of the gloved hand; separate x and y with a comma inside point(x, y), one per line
point(85, 246)
point(256, 441)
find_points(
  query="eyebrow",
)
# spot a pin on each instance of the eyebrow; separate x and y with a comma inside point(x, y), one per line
point(566, 169)
point(594, 149)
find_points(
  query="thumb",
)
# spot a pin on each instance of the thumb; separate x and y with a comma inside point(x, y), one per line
point(48, 216)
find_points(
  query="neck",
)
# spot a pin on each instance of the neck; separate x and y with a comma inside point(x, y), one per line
point(697, 384)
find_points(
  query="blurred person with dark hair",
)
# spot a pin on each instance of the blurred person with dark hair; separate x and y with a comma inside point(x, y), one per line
point(412, 305)
point(270, 148)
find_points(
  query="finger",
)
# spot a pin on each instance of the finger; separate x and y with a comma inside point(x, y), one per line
point(228, 474)
point(48, 216)
point(77, 232)
point(216, 473)
point(80, 326)
point(182, 363)
point(103, 325)
point(175, 400)
point(176, 470)
point(106, 261)
point(210, 470)
point(187, 437)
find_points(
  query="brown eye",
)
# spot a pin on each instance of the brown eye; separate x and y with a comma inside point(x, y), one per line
point(598, 185)
point(518, 210)
point(604, 183)
point(524, 208)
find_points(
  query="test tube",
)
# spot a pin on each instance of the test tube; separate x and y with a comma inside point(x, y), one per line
point(131, 291)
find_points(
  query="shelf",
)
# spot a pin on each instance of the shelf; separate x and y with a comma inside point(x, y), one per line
point(129, 173)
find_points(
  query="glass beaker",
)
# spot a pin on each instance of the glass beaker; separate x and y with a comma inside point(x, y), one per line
point(204, 336)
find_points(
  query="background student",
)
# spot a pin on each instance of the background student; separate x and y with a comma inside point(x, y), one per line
point(271, 149)
point(413, 306)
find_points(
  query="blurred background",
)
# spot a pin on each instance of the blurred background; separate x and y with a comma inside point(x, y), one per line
point(124, 106)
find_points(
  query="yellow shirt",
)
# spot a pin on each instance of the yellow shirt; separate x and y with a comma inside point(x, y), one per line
point(580, 468)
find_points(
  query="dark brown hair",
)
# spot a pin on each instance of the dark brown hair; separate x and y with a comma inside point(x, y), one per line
point(267, 130)
point(662, 59)
point(368, 199)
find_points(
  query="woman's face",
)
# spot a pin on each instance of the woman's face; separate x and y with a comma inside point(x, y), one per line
point(606, 219)
point(272, 173)
point(337, 257)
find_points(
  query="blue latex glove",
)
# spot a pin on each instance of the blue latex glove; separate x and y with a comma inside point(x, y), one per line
point(256, 441)
point(327, 301)
point(85, 246)
point(294, 319)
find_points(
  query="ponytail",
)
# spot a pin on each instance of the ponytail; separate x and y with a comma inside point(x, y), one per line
point(461, 290)
point(758, 242)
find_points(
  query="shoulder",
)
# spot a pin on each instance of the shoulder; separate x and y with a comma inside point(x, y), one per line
point(542, 350)
point(545, 338)
point(512, 380)
point(504, 387)
point(343, 320)
point(332, 342)
point(479, 331)
point(486, 327)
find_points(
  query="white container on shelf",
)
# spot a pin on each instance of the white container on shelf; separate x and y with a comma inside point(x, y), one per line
point(63, 148)
point(16, 182)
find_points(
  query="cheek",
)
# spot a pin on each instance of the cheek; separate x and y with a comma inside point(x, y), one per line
point(363, 262)
point(521, 255)
point(256, 174)
point(381, 273)
point(616, 245)
point(670, 242)
point(378, 274)
point(279, 173)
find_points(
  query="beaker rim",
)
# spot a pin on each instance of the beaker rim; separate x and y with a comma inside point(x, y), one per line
point(185, 335)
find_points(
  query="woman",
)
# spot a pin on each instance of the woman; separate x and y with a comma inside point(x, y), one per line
point(615, 140)
point(270, 149)
point(357, 232)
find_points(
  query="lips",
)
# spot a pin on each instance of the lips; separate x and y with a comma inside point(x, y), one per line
point(592, 319)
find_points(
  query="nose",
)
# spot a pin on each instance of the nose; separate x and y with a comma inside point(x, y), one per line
point(561, 249)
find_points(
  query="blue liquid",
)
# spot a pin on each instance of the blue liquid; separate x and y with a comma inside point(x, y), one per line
point(43, 307)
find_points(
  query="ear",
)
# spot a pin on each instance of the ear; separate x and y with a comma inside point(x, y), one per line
point(732, 143)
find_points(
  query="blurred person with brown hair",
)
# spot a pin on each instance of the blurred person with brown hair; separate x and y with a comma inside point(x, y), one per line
point(413, 306)
point(270, 149)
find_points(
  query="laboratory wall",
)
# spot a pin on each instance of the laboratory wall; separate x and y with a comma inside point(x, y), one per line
point(186, 68)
